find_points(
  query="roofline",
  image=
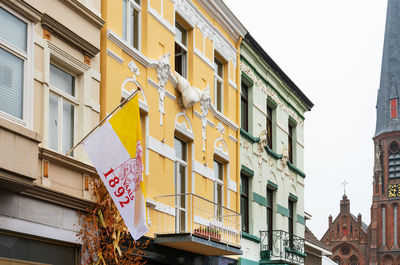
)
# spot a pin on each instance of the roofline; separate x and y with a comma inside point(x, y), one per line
point(324, 251)
point(261, 52)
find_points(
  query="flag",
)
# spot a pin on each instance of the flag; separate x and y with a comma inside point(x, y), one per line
point(116, 152)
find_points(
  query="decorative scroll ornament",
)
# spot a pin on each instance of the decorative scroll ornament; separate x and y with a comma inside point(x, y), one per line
point(163, 69)
point(261, 145)
point(205, 103)
point(285, 157)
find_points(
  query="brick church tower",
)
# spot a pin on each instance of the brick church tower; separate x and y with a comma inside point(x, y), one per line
point(384, 227)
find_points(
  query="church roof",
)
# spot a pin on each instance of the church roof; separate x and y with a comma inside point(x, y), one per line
point(363, 225)
point(390, 72)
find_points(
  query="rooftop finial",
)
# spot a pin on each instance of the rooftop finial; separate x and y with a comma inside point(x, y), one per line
point(344, 183)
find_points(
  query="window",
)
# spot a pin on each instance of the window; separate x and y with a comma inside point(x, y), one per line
point(354, 261)
point(218, 188)
point(180, 50)
point(218, 85)
point(62, 103)
point(180, 184)
point(383, 226)
point(290, 143)
point(27, 250)
point(13, 64)
point(395, 224)
point(270, 206)
point(394, 160)
point(131, 22)
point(244, 202)
point(269, 127)
point(291, 223)
point(393, 108)
point(244, 107)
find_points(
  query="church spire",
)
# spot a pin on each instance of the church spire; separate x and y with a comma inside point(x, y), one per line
point(388, 116)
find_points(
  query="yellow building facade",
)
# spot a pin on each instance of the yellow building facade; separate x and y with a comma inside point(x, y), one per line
point(185, 56)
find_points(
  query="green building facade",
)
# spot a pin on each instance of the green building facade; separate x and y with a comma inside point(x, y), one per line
point(272, 160)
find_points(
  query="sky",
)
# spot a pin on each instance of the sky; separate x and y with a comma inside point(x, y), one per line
point(332, 50)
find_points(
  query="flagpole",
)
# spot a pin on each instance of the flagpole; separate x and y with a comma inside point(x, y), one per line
point(98, 125)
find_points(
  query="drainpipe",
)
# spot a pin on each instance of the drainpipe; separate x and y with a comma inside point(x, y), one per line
point(238, 123)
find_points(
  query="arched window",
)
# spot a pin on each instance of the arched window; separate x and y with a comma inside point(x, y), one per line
point(354, 261)
point(394, 160)
point(337, 260)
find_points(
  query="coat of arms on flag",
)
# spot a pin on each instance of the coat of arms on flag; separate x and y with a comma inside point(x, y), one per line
point(116, 152)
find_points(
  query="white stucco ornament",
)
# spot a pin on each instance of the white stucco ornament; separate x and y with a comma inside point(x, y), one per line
point(163, 69)
point(261, 145)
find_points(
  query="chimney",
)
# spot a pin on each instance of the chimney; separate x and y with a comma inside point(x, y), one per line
point(359, 218)
point(330, 220)
point(345, 205)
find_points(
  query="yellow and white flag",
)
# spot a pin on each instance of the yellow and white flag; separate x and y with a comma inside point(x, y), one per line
point(116, 152)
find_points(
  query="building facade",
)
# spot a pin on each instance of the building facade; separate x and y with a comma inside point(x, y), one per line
point(347, 237)
point(189, 74)
point(272, 160)
point(49, 98)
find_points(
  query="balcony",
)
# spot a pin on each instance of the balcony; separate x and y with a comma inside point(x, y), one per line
point(195, 224)
point(281, 246)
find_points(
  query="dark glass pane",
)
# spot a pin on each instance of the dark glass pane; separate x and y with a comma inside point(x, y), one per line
point(36, 251)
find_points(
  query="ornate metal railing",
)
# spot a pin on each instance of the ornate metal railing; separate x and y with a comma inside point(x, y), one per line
point(195, 215)
point(280, 245)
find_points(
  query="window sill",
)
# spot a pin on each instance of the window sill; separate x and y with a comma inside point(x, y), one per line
point(296, 170)
point(250, 237)
point(20, 130)
point(249, 137)
point(273, 153)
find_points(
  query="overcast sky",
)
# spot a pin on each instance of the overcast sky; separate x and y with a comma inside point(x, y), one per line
point(332, 50)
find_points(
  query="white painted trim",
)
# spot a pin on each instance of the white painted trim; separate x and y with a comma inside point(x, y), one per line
point(232, 185)
point(67, 59)
point(204, 58)
point(324, 251)
point(160, 207)
point(233, 138)
point(232, 84)
point(40, 230)
point(195, 17)
point(203, 170)
point(162, 20)
point(221, 154)
point(114, 56)
point(184, 131)
point(161, 148)
point(156, 86)
point(222, 118)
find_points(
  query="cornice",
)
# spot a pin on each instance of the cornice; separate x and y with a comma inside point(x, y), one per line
point(57, 197)
point(64, 33)
point(24, 9)
point(66, 161)
point(224, 16)
point(85, 12)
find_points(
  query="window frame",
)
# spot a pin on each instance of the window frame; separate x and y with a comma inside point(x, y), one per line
point(393, 151)
point(394, 108)
point(270, 216)
point(178, 182)
point(218, 182)
point(245, 197)
point(127, 22)
point(27, 57)
point(61, 97)
point(269, 126)
point(245, 101)
point(218, 78)
point(184, 55)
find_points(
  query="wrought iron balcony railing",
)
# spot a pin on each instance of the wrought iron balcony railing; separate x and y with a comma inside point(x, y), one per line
point(280, 245)
point(191, 214)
